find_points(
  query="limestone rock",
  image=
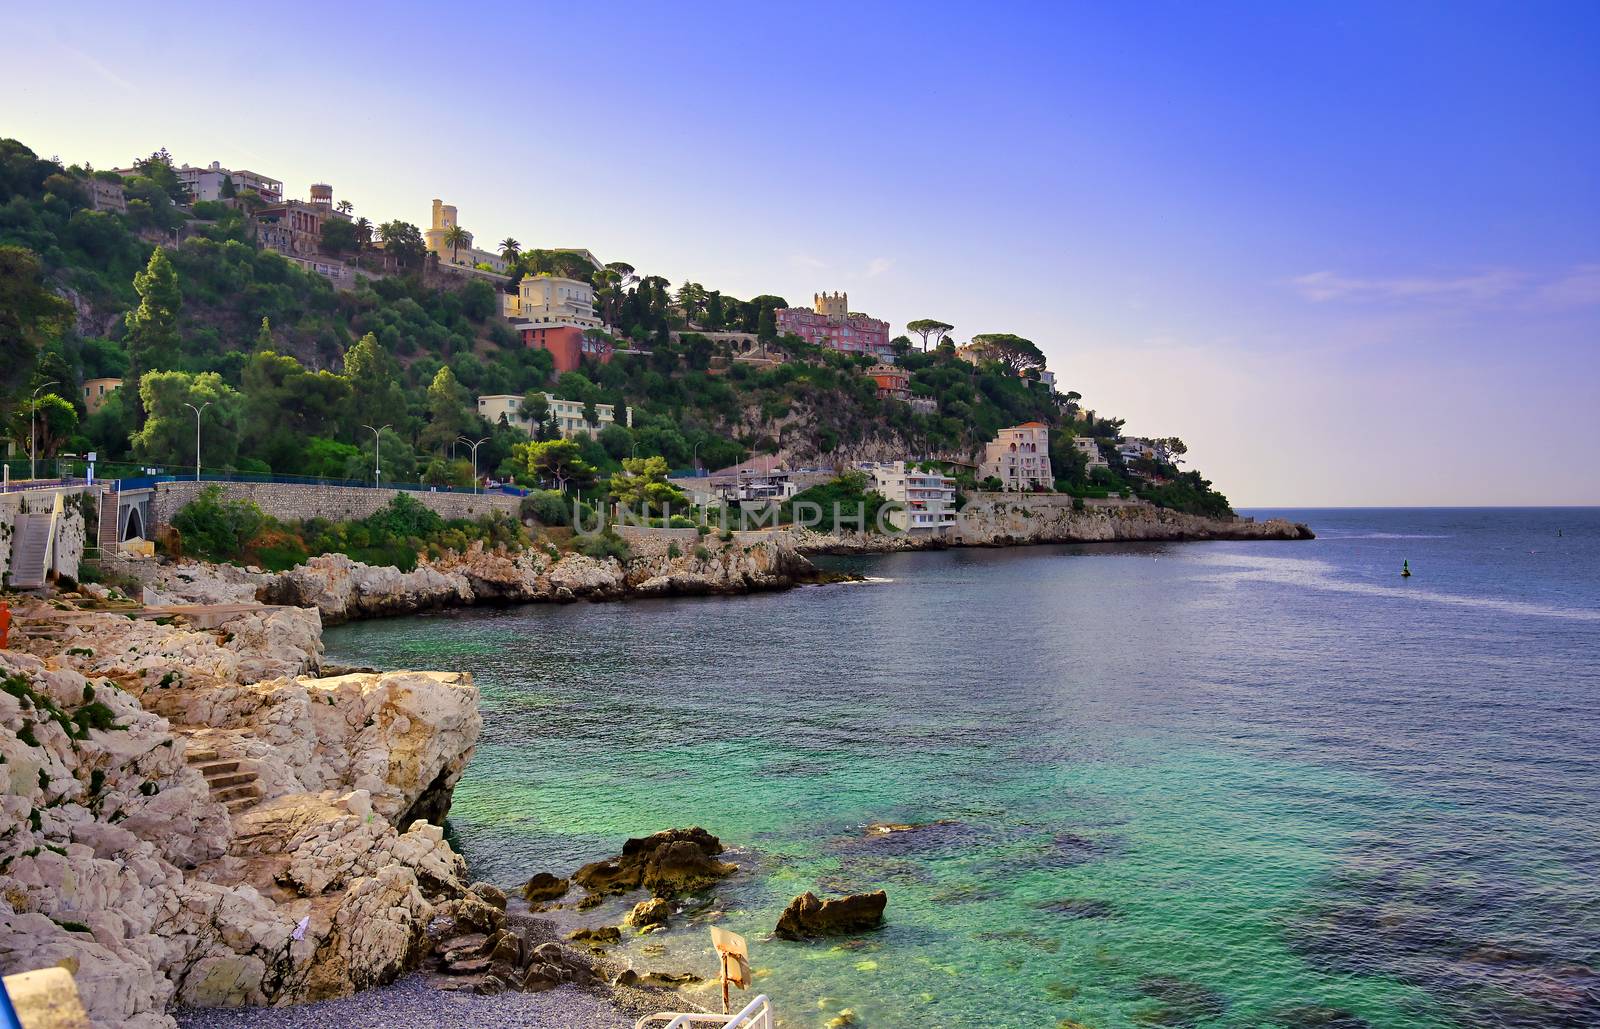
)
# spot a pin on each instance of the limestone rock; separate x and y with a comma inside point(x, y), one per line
point(648, 912)
point(543, 886)
point(668, 864)
point(806, 915)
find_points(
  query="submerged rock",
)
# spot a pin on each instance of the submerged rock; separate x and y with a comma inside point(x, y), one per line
point(1182, 1002)
point(1080, 907)
point(807, 915)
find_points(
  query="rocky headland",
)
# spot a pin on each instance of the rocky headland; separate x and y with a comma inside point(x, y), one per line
point(196, 818)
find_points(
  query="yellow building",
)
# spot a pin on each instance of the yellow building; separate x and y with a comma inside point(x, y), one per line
point(549, 300)
point(465, 255)
point(95, 392)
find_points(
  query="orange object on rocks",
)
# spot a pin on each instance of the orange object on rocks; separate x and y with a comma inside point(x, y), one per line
point(5, 624)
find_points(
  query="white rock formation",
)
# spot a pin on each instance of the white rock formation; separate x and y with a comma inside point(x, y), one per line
point(119, 860)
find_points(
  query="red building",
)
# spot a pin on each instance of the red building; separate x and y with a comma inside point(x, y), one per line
point(894, 382)
point(830, 324)
point(567, 344)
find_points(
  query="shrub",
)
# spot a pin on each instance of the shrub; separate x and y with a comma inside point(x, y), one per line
point(547, 507)
point(217, 528)
point(602, 545)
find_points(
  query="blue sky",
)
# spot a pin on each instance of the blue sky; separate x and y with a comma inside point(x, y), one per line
point(1351, 253)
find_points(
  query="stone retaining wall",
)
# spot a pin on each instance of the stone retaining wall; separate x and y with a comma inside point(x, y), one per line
point(296, 501)
point(70, 536)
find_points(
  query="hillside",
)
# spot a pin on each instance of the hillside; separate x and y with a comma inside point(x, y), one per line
point(292, 373)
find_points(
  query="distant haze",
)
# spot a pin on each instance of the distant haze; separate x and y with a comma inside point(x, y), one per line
point(1350, 253)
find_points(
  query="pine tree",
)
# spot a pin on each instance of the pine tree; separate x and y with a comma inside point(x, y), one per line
point(153, 325)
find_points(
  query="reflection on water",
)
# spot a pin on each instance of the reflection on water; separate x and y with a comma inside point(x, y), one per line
point(1208, 785)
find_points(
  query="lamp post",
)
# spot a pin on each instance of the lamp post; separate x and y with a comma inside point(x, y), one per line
point(474, 446)
point(696, 458)
point(377, 434)
point(33, 430)
point(197, 411)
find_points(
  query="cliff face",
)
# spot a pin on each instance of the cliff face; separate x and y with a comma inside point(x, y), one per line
point(997, 518)
point(185, 817)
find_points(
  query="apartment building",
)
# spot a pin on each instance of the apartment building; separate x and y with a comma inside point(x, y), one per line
point(1019, 457)
point(926, 500)
point(566, 414)
point(830, 323)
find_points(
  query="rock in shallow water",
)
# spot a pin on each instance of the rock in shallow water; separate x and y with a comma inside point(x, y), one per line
point(807, 915)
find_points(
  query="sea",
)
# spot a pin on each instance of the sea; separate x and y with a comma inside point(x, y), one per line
point(1218, 784)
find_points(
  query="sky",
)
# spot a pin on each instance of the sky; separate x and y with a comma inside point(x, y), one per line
point(1349, 252)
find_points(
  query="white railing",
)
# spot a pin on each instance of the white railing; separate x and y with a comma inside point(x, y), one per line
point(756, 1015)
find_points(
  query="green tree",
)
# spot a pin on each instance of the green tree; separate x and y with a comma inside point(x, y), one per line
point(29, 314)
point(930, 329)
point(264, 334)
point(158, 168)
point(51, 418)
point(560, 460)
point(152, 327)
point(403, 247)
point(455, 237)
point(642, 486)
point(376, 396)
point(1016, 353)
point(285, 404)
point(339, 237)
point(447, 411)
point(767, 327)
point(509, 249)
point(169, 429)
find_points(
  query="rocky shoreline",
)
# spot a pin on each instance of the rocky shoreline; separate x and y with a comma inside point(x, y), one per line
point(342, 589)
point(199, 820)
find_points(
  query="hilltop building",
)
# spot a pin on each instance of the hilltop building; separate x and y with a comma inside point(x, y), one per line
point(567, 414)
point(106, 196)
point(1086, 446)
point(1019, 457)
point(208, 183)
point(95, 392)
point(830, 323)
point(557, 315)
point(894, 382)
point(466, 255)
point(927, 500)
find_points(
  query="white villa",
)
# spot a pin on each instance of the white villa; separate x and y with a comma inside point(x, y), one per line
point(567, 414)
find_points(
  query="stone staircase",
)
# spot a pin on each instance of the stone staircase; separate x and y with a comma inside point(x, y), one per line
point(233, 785)
point(30, 549)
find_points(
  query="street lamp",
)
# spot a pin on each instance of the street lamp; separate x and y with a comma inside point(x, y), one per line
point(33, 431)
point(474, 447)
point(696, 458)
point(197, 411)
point(376, 435)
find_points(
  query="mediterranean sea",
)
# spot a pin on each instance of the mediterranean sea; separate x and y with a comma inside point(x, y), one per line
point(1202, 784)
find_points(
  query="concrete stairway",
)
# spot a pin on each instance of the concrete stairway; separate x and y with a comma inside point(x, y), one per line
point(106, 532)
point(30, 547)
point(231, 784)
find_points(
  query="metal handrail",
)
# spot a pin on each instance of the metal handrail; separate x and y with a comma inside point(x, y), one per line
point(755, 1015)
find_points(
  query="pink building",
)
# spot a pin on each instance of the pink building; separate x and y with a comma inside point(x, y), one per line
point(830, 324)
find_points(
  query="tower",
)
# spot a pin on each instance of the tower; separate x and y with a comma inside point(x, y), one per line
point(322, 194)
point(833, 305)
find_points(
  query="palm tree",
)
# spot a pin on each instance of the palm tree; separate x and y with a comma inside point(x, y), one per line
point(344, 207)
point(455, 237)
point(509, 249)
point(363, 233)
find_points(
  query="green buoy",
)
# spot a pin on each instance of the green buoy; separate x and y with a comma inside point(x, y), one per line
point(1405, 569)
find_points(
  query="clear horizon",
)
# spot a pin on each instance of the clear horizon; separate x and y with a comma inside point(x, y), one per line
point(1351, 256)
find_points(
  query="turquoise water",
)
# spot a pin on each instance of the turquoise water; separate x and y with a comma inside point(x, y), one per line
point(1160, 785)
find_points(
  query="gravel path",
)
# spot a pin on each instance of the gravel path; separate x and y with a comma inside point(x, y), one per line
point(412, 1004)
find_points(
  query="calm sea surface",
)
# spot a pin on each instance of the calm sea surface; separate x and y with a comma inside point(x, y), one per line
point(1220, 784)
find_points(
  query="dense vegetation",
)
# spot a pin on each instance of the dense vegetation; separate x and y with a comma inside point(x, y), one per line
point(288, 375)
point(219, 529)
